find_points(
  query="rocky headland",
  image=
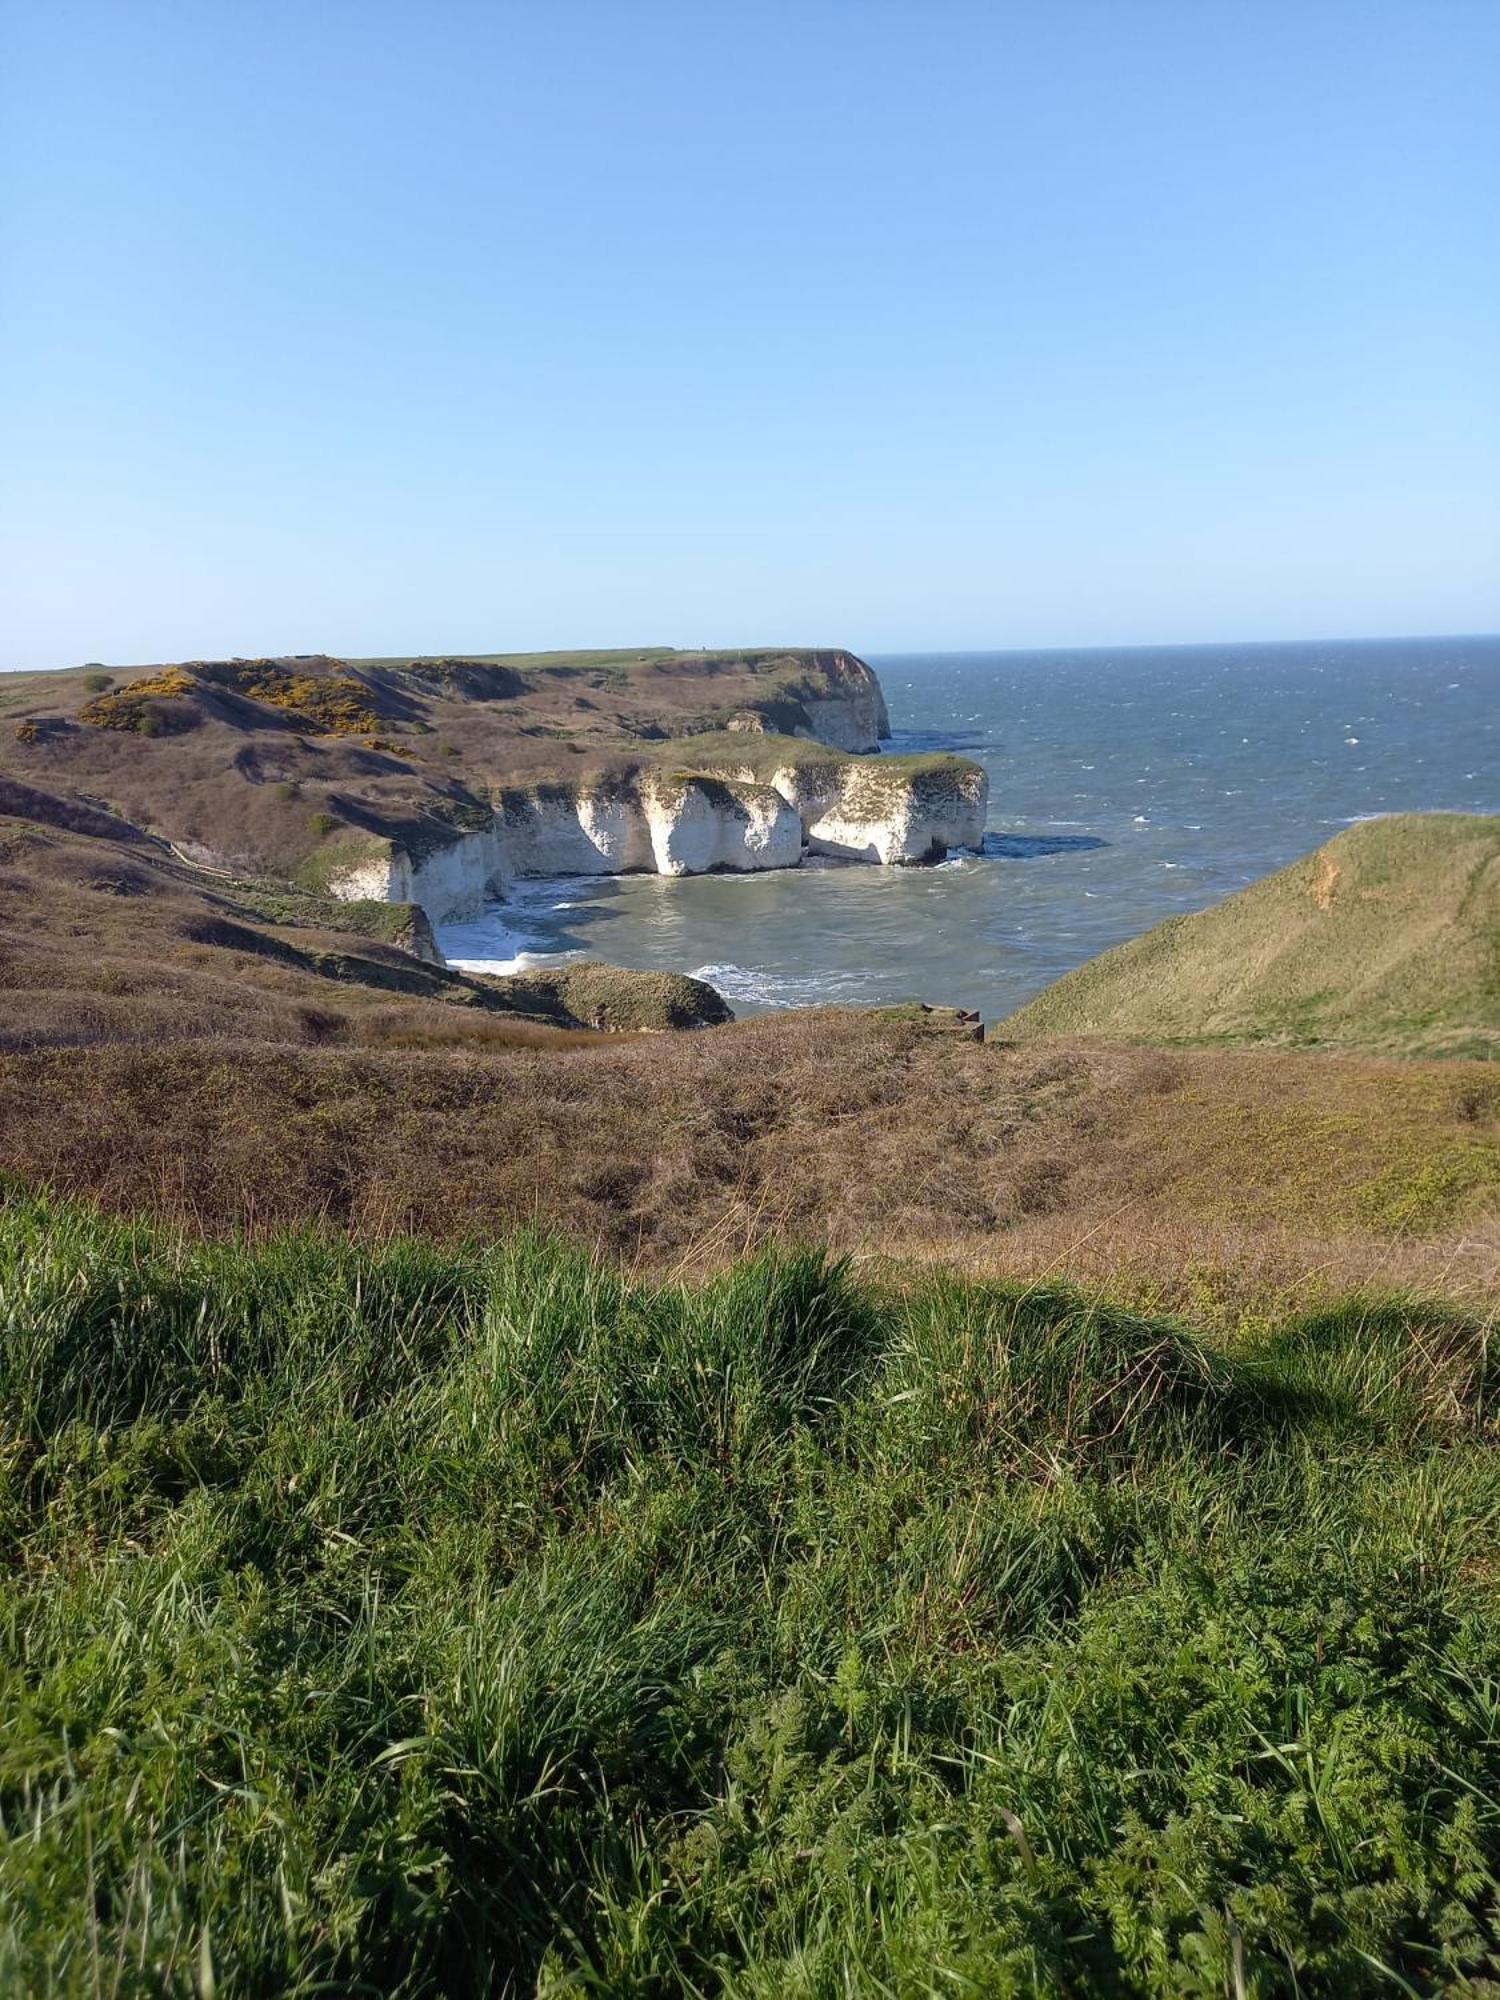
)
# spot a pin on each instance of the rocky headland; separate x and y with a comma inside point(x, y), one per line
point(438, 782)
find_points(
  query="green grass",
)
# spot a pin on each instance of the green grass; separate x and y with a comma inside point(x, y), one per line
point(586, 661)
point(766, 754)
point(1387, 939)
point(395, 1621)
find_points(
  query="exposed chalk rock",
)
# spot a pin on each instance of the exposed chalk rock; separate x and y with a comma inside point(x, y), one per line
point(740, 810)
point(699, 824)
point(656, 824)
point(839, 703)
point(450, 881)
point(882, 811)
point(556, 829)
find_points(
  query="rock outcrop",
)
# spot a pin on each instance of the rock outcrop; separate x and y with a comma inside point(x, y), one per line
point(657, 823)
point(892, 812)
point(454, 880)
point(848, 711)
point(837, 701)
point(689, 823)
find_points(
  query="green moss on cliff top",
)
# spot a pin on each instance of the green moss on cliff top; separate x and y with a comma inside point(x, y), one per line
point(764, 755)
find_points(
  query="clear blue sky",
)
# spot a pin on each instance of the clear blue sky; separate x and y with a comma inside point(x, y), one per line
point(359, 326)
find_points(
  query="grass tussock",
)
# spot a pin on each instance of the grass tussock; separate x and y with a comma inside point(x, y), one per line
point(475, 1622)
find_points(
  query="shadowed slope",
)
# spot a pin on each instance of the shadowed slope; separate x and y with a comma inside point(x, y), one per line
point(106, 935)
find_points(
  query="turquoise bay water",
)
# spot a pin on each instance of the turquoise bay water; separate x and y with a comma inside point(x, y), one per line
point(1125, 786)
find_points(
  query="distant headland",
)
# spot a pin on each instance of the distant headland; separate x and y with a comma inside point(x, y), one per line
point(436, 781)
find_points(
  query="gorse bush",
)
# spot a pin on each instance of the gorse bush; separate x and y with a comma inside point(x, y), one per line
point(403, 1621)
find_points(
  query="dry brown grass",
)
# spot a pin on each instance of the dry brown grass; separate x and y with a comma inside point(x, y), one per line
point(883, 1138)
point(105, 937)
point(165, 1048)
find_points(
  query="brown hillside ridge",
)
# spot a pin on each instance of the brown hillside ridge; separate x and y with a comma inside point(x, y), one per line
point(262, 765)
point(106, 935)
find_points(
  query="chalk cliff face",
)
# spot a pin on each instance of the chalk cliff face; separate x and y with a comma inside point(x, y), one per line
point(884, 813)
point(699, 824)
point(852, 715)
point(656, 824)
point(760, 809)
point(909, 821)
point(840, 703)
point(454, 881)
point(688, 825)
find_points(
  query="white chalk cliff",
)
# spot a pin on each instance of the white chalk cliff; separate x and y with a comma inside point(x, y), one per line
point(454, 880)
point(732, 812)
point(847, 712)
point(871, 810)
point(652, 824)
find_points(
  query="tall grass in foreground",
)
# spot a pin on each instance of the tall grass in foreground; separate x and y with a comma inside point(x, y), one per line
point(397, 1621)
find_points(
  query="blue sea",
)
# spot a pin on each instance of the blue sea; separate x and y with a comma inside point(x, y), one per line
point(1126, 785)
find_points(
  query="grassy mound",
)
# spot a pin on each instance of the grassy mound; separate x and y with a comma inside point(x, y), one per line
point(1386, 939)
point(610, 997)
point(404, 1621)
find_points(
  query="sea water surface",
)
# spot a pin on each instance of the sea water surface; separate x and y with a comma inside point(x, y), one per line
point(1125, 786)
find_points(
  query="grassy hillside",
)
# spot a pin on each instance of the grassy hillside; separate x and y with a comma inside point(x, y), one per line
point(1388, 938)
point(235, 1053)
point(107, 935)
point(475, 1622)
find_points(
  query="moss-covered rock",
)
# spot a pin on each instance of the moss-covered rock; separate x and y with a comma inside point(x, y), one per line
point(612, 998)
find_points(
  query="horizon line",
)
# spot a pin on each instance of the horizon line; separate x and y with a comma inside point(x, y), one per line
point(784, 646)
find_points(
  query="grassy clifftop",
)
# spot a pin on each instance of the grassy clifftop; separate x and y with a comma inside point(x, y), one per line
point(1387, 938)
point(429, 1622)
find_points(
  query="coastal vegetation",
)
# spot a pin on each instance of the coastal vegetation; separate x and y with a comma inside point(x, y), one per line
point(499, 1495)
point(1387, 938)
point(404, 1620)
point(238, 1053)
point(304, 766)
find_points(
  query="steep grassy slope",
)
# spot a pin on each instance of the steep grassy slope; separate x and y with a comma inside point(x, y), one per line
point(480, 1623)
point(1388, 938)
